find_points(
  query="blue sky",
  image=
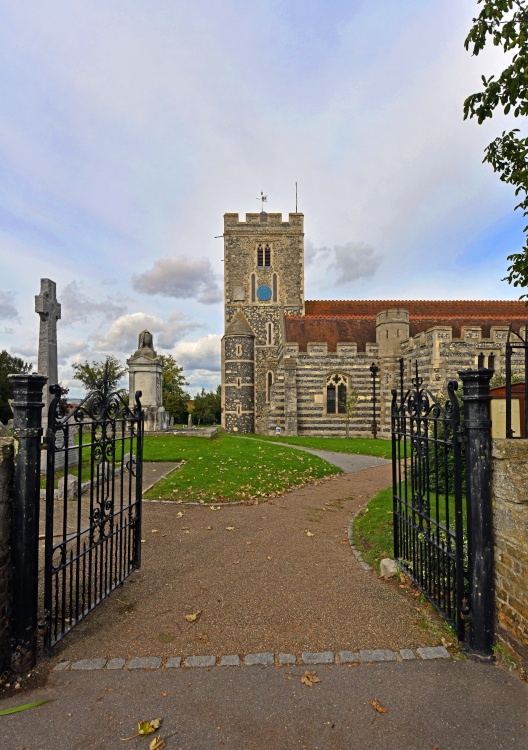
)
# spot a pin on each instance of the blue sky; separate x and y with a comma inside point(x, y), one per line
point(127, 130)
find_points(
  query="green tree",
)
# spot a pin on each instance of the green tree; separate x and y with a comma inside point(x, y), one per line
point(350, 407)
point(207, 407)
point(92, 375)
point(9, 366)
point(505, 24)
point(174, 396)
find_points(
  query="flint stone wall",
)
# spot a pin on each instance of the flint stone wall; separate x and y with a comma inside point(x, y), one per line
point(6, 476)
point(510, 520)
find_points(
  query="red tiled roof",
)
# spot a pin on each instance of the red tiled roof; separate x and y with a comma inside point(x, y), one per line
point(484, 309)
point(354, 321)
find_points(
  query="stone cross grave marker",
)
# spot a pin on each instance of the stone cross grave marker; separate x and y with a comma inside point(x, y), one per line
point(49, 310)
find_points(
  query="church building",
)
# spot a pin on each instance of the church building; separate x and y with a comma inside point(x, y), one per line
point(296, 364)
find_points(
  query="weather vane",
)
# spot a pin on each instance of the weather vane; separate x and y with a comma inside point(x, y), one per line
point(264, 199)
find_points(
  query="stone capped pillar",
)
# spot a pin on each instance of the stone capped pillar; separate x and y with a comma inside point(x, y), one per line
point(145, 374)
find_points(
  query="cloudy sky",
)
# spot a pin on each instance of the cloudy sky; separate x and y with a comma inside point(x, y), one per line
point(129, 127)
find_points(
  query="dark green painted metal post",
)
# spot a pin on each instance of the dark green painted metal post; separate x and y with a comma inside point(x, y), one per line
point(477, 427)
point(27, 432)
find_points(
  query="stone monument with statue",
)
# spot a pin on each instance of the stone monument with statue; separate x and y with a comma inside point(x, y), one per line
point(145, 374)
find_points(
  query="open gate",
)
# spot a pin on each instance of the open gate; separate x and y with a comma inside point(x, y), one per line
point(429, 503)
point(93, 505)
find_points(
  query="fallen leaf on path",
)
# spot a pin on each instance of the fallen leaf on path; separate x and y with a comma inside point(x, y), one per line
point(309, 533)
point(144, 728)
point(154, 531)
point(179, 515)
point(158, 743)
point(269, 558)
point(209, 528)
point(194, 617)
point(230, 528)
point(309, 678)
point(376, 705)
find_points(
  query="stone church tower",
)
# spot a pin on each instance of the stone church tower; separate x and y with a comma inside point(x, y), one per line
point(263, 282)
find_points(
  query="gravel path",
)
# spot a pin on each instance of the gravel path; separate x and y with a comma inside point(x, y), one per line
point(276, 577)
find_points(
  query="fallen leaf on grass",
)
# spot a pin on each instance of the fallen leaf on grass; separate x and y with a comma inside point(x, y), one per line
point(25, 707)
point(376, 705)
point(446, 643)
point(194, 617)
point(144, 728)
point(309, 678)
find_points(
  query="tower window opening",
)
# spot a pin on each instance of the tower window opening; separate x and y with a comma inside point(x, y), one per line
point(238, 382)
point(274, 287)
point(269, 333)
point(239, 409)
point(269, 383)
point(336, 394)
point(263, 256)
point(238, 350)
point(253, 285)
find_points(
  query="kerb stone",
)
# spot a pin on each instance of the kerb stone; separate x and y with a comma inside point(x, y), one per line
point(434, 652)
point(115, 664)
point(230, 660)
point(265, 659)
point(377, 654)
point(407, 654)
point(200, 661)
point(347, 657)
point(174, 662)
point(319, 657)
point(144, 662)
point(89, 664)
point(287, 659)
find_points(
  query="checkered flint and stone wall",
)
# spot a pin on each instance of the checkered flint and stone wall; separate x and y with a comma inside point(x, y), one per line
point(510, 520)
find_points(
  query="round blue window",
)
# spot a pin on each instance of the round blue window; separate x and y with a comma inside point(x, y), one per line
point(264, 293)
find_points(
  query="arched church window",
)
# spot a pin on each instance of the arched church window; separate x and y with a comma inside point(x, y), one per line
point(274, 287)
point(336, 393)
point(269, 383)
point(253, 286)
point(269, 333)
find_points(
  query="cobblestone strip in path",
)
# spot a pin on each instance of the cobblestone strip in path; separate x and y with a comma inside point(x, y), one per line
point(265, 658)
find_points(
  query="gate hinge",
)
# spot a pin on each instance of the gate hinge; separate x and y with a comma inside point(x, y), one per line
point(465, 612)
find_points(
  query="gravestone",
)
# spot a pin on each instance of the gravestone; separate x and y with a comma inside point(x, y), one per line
point(144, 374)
point(49, 310)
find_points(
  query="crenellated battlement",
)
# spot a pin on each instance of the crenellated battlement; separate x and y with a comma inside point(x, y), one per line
point(263, 221)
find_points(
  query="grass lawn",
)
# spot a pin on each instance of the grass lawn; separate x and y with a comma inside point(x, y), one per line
point(372, 531)
point(366, 446)
point(229, 468)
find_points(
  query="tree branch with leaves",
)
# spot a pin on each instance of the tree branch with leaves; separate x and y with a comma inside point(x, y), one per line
point(504, 23)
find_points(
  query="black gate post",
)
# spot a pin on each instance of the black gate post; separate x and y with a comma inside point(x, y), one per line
point(27, 432)
point(477, 426)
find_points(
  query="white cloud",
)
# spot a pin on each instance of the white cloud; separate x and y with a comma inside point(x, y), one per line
point(351, 261)
point(203, 354)
point(123, 334)
point(79, 307)
point(8, 310)
point(180, 278)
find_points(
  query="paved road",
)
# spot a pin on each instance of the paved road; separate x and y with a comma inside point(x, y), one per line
point(442, 705)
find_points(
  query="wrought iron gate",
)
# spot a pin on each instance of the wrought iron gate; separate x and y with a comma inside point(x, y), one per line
point(429, 502)
point(93, 505)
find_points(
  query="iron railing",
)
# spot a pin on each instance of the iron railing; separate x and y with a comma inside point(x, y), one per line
point(93, 505)
point(429, 497)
